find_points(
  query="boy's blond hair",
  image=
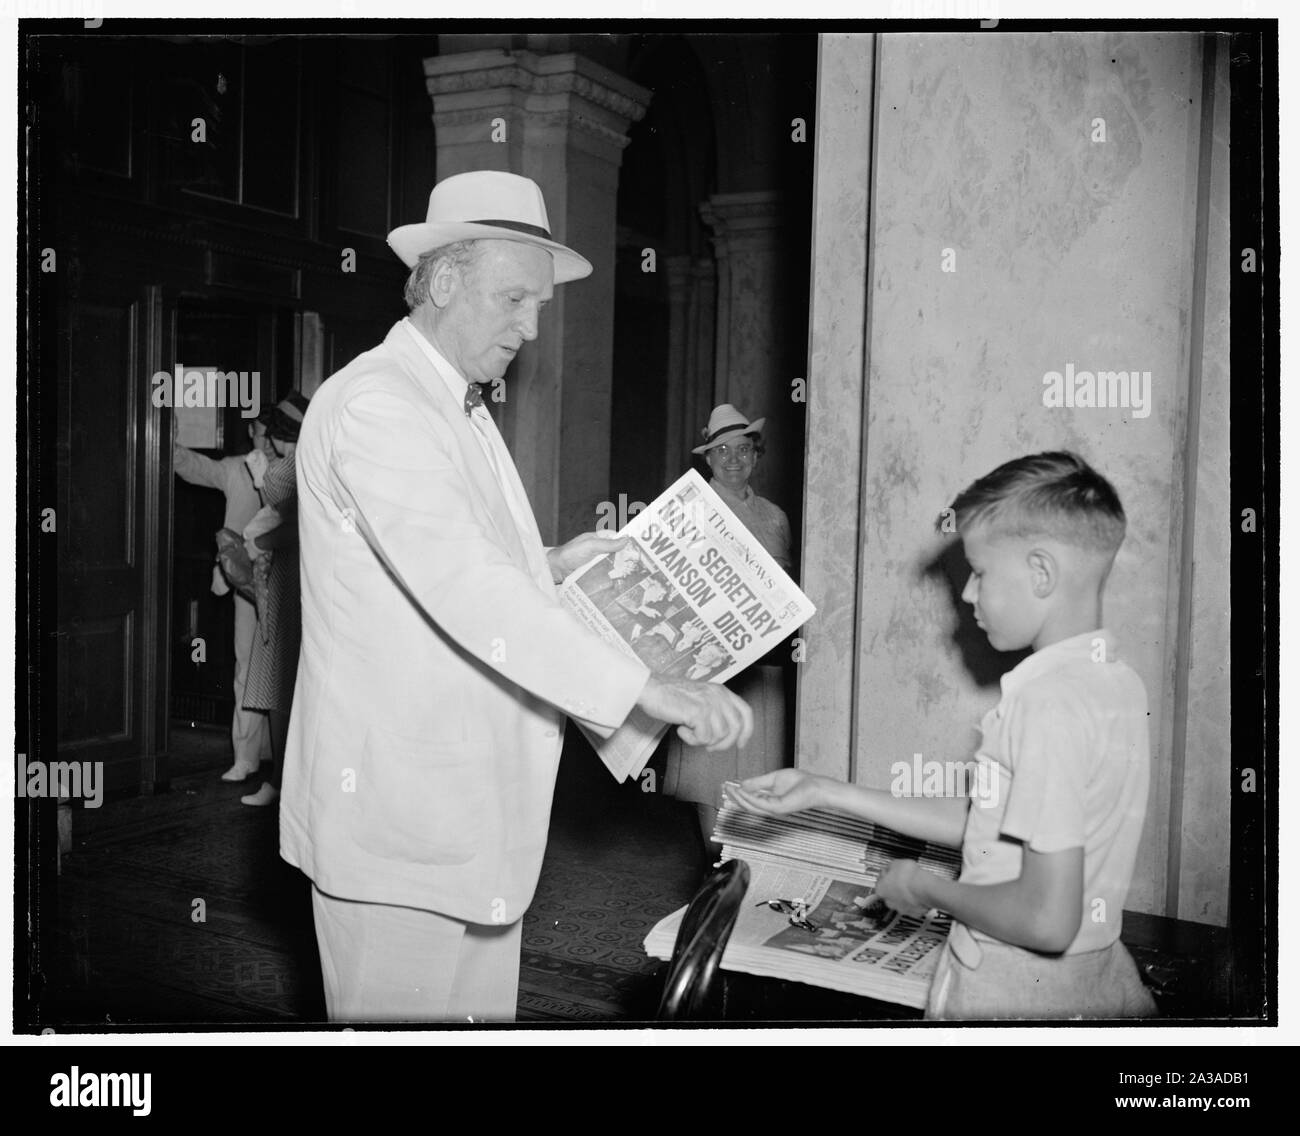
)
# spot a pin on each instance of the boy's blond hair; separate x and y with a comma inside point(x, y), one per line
point(1054, 494)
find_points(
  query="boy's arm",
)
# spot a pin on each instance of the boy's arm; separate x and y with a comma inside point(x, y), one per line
point(938, 819)
point(1041, 910)
point(1051, 735)
point(197, 469)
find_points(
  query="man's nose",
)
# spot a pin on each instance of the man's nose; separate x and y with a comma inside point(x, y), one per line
point(970, 592)
point(527, 325)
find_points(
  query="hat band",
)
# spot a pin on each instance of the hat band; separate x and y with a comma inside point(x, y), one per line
point(517, 226)
point(289, 410)
point(742, 427)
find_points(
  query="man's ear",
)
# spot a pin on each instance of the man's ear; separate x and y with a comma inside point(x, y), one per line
point(1044, 572)
point(442, 283)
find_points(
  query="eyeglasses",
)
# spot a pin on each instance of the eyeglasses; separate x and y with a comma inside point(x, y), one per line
point(744, 450)
point(797, 909)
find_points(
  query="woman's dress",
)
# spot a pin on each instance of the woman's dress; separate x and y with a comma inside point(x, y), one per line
point(273, 665)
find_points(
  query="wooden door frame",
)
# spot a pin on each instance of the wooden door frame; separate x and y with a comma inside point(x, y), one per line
point(159, 338)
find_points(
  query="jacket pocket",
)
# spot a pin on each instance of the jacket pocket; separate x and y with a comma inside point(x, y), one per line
point(418, 801)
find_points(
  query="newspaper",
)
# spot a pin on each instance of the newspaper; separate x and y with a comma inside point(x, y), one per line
point(692, 595)
point(849, 941)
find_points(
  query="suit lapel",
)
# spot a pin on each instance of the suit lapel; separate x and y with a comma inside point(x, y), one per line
point(425, 378)
point(526, 526)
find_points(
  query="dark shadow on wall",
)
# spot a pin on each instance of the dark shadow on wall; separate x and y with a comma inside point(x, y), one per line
point(947, 566)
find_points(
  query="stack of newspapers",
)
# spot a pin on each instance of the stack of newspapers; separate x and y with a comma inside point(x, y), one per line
point(810, 914)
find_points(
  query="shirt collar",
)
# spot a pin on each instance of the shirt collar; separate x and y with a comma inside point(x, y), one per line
point(455, 383)
point(727, 495)
point(1092, 646)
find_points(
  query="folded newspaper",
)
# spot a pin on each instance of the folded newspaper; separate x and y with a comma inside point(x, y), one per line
point(692, 595)
point(830, 862)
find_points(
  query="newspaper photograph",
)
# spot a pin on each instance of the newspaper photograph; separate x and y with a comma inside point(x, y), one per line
point(846, 924)
point(692, 595)
point(848, 941)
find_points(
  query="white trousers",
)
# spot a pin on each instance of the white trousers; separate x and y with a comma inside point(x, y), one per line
point(399, 964)
point(248, 729)
point(983, 980)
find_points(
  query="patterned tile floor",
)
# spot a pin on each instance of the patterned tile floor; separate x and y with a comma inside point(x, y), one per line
point(176, 911)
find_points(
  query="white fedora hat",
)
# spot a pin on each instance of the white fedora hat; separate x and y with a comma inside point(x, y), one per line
point(725, 423)
point(487, 205)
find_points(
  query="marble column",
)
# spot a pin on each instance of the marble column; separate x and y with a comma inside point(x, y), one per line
point(561, 120)
point(750, 368)
point(826, 731)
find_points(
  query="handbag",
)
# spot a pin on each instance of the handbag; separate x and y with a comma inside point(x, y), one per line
point(236, 565)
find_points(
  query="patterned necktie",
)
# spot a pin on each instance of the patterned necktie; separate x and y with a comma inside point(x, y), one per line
point(473, 398)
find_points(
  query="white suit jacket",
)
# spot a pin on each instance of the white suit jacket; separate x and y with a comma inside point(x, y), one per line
point(436, 664)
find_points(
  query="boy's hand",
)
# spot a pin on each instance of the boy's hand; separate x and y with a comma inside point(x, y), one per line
point(901, 886)
point(777, 793)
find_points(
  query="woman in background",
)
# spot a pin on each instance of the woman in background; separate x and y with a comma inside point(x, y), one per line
point(731, 449)
point(272, 542)
point(233, 476)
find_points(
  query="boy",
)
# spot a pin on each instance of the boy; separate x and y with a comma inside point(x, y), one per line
point(1049, 846)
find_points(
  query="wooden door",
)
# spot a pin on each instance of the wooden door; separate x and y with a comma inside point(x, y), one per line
point(113, 514)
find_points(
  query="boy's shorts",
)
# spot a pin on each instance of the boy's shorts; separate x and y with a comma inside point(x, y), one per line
point(980, 980)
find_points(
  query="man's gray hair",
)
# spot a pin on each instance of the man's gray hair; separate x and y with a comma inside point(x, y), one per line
point(460, 254)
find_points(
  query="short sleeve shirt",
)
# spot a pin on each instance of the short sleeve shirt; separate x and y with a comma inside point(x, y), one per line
point(1064, 763)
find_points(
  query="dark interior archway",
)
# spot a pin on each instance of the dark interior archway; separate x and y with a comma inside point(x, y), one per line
point(662, 260)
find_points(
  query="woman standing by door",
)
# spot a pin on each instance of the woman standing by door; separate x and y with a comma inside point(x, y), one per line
point(274, 662)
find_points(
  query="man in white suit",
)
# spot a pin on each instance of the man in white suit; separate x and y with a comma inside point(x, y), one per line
point(436, 664)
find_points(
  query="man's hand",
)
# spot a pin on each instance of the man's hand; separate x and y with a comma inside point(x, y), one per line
point(705, 713)
point(901, 886)
point(567, 558)
point(780, 792)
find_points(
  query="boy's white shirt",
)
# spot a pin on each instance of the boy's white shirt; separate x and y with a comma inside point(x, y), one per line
point(1067, 753)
